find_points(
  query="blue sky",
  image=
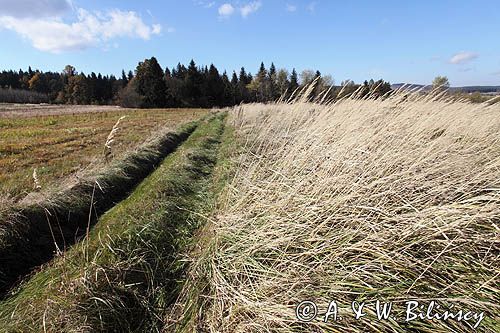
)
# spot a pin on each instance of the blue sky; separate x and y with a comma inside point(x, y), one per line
point(400, 41)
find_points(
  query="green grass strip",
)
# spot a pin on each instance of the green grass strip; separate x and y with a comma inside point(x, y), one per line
point(188, 310)
point(124, 276)
point(30, 235)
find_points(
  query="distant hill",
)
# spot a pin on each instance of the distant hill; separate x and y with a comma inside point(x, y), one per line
point(466, 89)
point(482, 89)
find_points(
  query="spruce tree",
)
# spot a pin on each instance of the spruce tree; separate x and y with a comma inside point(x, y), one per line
point(215, 87)
point(235, 89)
point(244, 80)
point(272, 83)
point(150, 83)
point(124, 79)
point(193, 82)
point(294, 82)
point(261, 84)
point(227, 92)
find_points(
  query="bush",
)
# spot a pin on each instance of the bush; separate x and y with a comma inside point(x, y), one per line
point(22, 96)
point(128, 96)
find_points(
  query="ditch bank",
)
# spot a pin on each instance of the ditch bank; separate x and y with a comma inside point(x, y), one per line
point(32, 234)
point(124, 276)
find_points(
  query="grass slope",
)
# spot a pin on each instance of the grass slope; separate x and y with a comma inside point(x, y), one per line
point(31, 234)
point(126, 273)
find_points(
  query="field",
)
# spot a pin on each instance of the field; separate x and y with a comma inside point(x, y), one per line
point(234, 217)
point(392, 200)
point(63, 140)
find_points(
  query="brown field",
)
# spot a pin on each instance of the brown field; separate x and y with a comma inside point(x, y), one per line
point(61, 140)
point(9, 110)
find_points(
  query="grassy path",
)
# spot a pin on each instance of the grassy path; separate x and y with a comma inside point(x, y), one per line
point(124, 276)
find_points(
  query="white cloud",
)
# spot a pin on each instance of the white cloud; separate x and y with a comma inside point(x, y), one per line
point(156, 29)
point(226, 10)
point(90, 29)
point(205, 4)
point(463, 57)
point(312, 6)
point(291, 8)
point(34, 8)
point(250, 8)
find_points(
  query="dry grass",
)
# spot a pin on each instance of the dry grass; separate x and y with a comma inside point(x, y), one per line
point(62, 144)
point(10, 110)
point(394, 199)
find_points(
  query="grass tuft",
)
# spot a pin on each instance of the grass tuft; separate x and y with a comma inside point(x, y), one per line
point(111, 137)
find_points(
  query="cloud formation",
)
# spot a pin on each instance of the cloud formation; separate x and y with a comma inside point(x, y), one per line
point(33, 8)
point(51, 34)
point(205, 4)
point(227, 9)
point(291, 8)
point(250, 8)
point(463, 57)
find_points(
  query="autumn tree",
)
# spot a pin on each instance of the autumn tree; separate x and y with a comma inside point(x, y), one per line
point(38, 83)
point(282, 82)
point(307, 76)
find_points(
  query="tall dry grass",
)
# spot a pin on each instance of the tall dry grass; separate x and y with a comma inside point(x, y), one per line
point(392, 199)
point(111, 138)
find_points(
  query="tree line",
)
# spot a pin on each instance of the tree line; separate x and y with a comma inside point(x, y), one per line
point(151, 86)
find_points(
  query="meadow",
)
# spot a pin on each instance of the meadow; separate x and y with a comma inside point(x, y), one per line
point(59, 141)
point(365, 200)
point(254, 209)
